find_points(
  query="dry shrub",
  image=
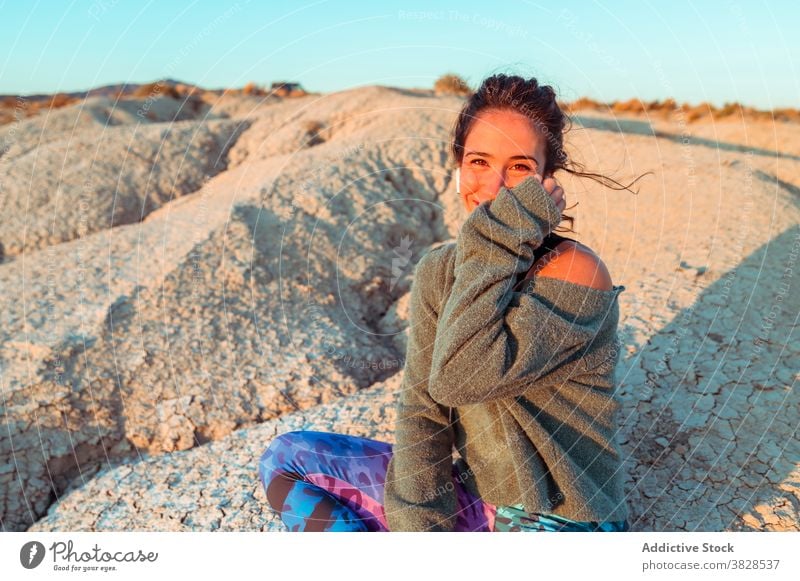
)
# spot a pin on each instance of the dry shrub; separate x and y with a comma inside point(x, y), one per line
point(729, 109)
point(698, 112)
point(583, 103)
point(152, 90)
point(629, 106)
point(451, 84)
point(313, 130)
point(287, 89)
point(254, 90)
point(61, 100)
point(787, 115)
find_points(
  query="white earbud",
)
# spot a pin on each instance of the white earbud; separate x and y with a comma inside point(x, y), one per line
point(458, 181)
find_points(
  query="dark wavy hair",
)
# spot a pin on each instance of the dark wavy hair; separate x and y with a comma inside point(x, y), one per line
point(538, 103)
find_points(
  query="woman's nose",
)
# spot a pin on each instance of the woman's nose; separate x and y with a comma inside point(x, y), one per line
point(493, 182)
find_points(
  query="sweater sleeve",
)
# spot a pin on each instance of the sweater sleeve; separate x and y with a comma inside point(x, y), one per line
point(418, 492)
point(491, 341)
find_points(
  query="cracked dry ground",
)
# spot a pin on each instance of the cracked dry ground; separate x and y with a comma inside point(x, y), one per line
point(228, 316)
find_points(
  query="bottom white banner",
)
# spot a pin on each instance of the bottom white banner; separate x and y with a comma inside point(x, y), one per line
point(349, 556)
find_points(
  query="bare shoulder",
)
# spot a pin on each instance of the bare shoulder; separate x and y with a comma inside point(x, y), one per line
point(576, 263)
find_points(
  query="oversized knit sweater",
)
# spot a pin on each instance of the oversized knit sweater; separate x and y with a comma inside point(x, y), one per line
point(520, 379)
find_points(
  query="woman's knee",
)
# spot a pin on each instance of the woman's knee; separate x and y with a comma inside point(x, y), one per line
point(288, 440)
point(280, 452)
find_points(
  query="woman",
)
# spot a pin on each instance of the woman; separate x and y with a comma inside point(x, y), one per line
point(511, 356)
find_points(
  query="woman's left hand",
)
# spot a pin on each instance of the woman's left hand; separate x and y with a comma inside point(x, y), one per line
point(556, 192)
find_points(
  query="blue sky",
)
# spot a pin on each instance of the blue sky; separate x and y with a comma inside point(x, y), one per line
point(692, 51)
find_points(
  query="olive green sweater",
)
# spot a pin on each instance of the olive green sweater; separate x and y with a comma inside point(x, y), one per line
point(521, 382)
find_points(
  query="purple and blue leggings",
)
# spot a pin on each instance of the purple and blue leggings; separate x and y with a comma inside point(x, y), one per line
point(323, 481)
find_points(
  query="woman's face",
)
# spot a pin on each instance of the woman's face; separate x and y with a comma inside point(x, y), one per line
point(502, 149)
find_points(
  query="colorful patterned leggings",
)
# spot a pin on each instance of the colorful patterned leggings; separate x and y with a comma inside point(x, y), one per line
point(323, 481)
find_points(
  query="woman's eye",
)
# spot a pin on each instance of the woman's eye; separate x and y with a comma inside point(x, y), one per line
point(515, 167)
point(521, 167)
